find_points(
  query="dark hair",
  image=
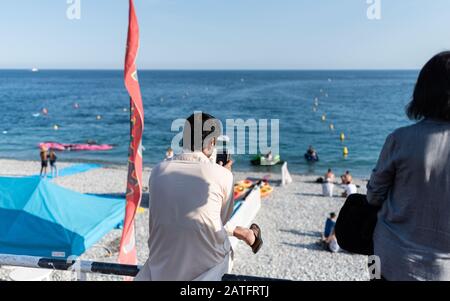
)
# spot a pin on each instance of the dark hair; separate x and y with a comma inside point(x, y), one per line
point(199, 129)
point(332, 215)
point(431, 97)
point(329, 169)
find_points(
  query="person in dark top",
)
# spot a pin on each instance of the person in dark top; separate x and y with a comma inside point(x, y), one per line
point(311, 155)
point(44, 161)
point(329, 225)
point(329, 241)
point(52, 158)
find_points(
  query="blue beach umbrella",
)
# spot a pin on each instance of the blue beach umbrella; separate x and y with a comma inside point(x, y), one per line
point(40, 218)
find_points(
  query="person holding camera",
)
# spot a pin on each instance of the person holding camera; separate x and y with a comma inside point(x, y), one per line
point(191, 201)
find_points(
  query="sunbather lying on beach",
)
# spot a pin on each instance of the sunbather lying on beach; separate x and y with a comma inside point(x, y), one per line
point(191, 200)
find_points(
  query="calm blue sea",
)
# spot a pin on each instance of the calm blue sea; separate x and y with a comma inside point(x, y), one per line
point(365, 105)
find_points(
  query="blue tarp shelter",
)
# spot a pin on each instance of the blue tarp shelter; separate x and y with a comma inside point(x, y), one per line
point(40, 218)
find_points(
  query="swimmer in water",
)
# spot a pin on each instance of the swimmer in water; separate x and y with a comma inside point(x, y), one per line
point(311, 154)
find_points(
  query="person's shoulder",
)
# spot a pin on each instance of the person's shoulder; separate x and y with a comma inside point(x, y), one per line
point(408, 129)
point(403, 129)
point(220, 173)
point(220, 170)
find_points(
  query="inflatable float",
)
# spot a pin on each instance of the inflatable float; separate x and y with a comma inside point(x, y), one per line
point(263, 161)
point(266, 190)
point(241, 188)
point(75, 147)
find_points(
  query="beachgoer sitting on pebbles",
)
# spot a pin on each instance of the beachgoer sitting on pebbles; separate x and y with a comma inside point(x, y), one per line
point(328, 183)
point(329, 226)
point(329, 240)
point(346, 177)
point(329, 176)
point(332, 244)
point(349, 187)
point(191, 201)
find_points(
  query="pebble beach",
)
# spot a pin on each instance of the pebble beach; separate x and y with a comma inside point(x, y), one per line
point(291, 219)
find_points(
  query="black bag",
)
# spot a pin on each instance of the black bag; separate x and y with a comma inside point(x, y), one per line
point(355, 225)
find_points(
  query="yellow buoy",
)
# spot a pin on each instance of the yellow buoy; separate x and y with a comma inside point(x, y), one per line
point(342, 137)
point(345, 151)
point(324, 117)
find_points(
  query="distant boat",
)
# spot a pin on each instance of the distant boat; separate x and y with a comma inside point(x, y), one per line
point(35, 70)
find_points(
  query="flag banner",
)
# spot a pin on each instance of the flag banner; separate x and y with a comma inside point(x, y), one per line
point(128, 253)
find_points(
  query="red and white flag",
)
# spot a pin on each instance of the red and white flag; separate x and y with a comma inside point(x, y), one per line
point(128, 253)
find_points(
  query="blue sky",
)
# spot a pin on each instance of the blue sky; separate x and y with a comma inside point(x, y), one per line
point(225, 34)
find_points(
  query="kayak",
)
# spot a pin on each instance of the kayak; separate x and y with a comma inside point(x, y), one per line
point(76, 147)
point(262, 161)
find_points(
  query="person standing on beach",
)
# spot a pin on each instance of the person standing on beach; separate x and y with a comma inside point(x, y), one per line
point(191, 201)
point(411, 183)
point(52, 158)
point(44, 161)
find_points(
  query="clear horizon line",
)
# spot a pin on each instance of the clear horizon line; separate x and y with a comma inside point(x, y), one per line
point(215, 69)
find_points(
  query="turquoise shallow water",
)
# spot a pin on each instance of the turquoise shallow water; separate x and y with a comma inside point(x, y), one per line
point(365, 105)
